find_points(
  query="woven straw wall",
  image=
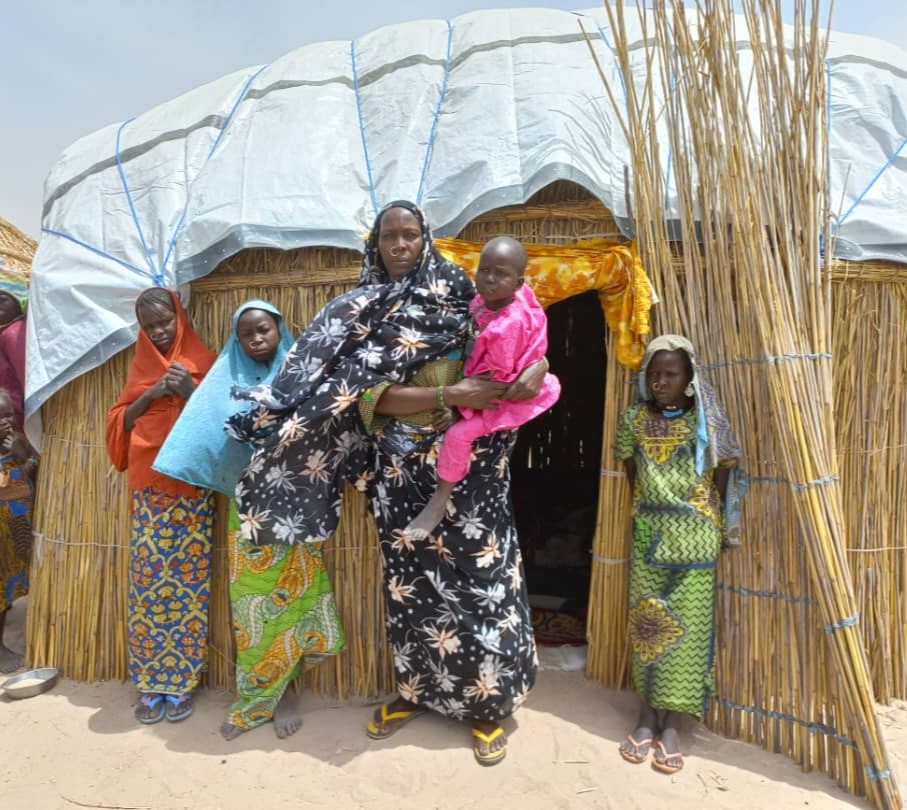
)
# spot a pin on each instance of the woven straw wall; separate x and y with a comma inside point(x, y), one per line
point(870, 400)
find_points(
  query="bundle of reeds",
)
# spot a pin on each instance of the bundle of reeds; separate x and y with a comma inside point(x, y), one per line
point(747, 144)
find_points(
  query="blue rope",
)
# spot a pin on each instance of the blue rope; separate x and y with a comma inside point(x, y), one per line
point(777, 358)
point(99, 252)
point(847, 621)
point(223, 128)
point(794, 600)
point(769, 359)
point(814, 728)
point(819, 482)
point(229, 119)
point(872, 182)
point(765, 479)
point(156, 277)
point(368, 163)
point(875, 776)
point(434, 124)
point(620, 72)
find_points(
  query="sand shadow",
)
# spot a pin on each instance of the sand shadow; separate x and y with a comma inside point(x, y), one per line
point(711, 758)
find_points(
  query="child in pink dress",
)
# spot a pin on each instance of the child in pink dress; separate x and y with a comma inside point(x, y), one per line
point(512, 334)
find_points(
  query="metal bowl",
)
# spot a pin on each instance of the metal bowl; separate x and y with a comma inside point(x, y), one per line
point(47, 675)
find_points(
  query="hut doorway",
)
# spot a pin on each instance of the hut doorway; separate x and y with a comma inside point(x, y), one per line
point(556, 468)
point(555, 471)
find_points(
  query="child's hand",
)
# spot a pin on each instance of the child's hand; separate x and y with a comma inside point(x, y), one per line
point(442, 418)
point(20, 446)
point(529, 383)
point(179, 380)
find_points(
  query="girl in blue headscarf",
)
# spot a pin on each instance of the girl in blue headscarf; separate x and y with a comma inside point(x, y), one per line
point(284, 612)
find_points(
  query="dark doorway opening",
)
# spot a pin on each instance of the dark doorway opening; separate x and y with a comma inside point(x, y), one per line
point(556, 469)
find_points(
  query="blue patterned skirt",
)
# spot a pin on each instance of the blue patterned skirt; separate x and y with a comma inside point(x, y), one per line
point(169, 579)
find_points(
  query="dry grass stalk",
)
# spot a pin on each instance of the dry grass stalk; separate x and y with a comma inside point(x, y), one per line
point(748, 155)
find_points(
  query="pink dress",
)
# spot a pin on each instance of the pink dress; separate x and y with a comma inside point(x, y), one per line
point(509, 340)
point(12, 364)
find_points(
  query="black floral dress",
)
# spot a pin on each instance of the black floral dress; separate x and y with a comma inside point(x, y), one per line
point(457, 606)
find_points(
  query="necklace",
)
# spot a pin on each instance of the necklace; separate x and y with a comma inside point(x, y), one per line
point(671, 413)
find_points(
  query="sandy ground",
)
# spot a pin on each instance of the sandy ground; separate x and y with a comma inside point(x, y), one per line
point(79, 746)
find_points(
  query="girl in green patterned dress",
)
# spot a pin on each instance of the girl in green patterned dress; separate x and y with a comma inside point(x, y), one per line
point(285, 617)
point(681, 459)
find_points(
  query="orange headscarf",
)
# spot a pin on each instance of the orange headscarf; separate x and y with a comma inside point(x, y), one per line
point(134, 451)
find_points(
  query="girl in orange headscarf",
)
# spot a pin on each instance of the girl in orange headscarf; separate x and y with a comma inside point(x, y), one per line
point(170, 548)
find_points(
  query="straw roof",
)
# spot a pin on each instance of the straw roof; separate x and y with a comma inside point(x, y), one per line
point(16, 249)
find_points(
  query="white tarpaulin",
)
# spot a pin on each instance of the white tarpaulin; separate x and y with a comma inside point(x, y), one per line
point(462, 116)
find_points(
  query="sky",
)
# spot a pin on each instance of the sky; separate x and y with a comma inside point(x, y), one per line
point(71, 67)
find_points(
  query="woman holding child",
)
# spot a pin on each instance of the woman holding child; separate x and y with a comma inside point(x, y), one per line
point(364, 396)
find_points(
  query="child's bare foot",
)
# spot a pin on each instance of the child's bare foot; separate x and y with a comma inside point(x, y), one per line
point(287, 720)
point(421, 527)
point(10, 661)
point(230, 732)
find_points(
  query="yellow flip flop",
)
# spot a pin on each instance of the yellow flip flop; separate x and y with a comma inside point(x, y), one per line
point(399, 719)
point(488, 757)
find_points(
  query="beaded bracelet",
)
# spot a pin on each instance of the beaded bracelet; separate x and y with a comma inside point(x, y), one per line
point(440, 392)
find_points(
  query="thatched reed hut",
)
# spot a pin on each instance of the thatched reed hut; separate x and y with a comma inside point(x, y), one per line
point(552, 167)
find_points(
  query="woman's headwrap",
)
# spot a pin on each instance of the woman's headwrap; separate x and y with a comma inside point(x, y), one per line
point(715, 440)
point(373, 269)
point(135, 450)
point(197, 450)
point(384, 330)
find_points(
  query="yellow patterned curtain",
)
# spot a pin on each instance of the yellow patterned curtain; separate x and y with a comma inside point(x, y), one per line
point(613, 269)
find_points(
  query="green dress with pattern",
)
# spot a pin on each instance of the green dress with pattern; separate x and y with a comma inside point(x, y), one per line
point(285, 619)
point(677, 522)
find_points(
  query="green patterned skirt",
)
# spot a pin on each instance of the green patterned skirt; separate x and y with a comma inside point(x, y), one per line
point(284, 616)
point(672, 633)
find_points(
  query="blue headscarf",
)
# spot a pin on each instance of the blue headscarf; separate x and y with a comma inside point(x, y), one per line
point(197, 450)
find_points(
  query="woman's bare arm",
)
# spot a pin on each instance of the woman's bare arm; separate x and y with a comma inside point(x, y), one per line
point(470, 392)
